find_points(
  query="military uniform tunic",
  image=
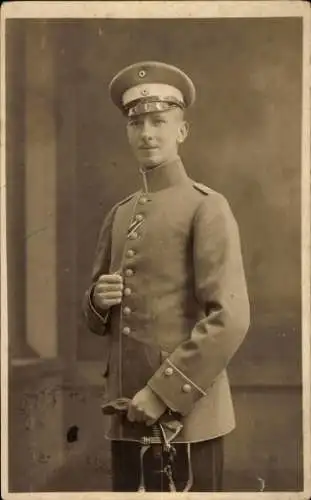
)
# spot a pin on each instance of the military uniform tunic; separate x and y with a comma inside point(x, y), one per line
point(185, 308)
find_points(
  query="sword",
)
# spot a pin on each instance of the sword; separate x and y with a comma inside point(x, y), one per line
point(163, 431)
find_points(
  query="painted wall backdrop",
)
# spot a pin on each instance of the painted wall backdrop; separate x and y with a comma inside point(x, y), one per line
point(244, 142)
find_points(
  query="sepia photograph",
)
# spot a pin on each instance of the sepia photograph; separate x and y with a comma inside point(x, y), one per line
point(155, 249)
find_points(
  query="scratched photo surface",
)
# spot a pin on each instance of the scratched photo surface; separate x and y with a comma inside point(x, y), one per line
point(68, 163)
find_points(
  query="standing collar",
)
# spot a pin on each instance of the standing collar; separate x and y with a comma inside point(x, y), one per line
point(165, 175)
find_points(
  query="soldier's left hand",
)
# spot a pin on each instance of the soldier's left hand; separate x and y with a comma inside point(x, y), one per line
point(145, 407)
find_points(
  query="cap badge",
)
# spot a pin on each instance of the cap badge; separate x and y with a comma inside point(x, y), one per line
point(142, 73)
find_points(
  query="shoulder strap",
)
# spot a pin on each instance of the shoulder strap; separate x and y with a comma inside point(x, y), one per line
point(202, 188)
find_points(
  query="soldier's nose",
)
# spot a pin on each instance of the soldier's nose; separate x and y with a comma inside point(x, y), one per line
point(146, 131)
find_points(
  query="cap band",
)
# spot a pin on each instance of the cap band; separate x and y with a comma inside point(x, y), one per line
point(159, 90)
point(143, 107)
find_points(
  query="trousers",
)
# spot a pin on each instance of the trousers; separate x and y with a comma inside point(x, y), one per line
point(206, 459)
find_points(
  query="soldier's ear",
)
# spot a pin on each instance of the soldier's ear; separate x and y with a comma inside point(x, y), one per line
point(183, 132)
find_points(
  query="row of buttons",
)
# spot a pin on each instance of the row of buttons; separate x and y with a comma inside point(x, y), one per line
point(129, 272)
point(169, 371)
point(127, 291)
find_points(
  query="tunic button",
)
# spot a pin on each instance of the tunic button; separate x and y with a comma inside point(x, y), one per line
point(133, 236)
point(143, 200)
point(169, 371)
point(127, 291)
point(126, 330)
point(129, 272)
point(127, 311)
point(130, 253)
point(186, 388)
point(139, 217)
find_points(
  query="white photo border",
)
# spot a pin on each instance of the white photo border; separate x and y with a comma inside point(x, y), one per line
point(165, 10)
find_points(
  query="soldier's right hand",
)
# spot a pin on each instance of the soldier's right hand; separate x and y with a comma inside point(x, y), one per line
point(108, 291)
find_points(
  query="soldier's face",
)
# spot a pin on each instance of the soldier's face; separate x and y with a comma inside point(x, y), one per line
point(155, 137)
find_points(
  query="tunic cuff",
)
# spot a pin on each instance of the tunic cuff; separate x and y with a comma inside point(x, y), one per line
point(97, 322)
point(177, 391)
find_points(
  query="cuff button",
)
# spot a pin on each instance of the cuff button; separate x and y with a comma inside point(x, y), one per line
point(186, 388)
point(168, 371)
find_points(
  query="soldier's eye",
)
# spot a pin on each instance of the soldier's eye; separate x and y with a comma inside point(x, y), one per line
point(134, 123)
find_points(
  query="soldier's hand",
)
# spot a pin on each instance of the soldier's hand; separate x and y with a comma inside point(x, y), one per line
point(145, 407)
point(108, 291)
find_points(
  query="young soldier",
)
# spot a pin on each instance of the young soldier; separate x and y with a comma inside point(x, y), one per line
point(168, 288)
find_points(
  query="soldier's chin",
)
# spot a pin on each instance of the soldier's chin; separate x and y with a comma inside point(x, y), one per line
point(150, 161)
